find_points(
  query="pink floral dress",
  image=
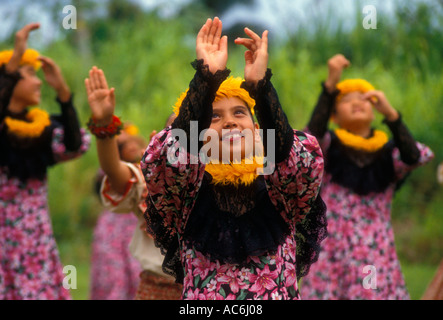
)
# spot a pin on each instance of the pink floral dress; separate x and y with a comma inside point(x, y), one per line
point(292, 188)
point(235, 242)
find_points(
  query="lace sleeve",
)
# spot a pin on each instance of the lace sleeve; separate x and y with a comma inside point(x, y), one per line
point(318, 124)
point(409, 152)
point(7, 84)
point(197, 105)
point(72, 138)
point(270, 115)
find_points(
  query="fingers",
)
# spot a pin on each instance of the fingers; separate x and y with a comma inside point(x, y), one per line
point(202, 36)
point(215, 32)
point(112, 96)
point(210, 32)
point(254, 43)
point(24, 32)
point(102, 79)
point(97, 79)
point(46, 62)
point(88, 87)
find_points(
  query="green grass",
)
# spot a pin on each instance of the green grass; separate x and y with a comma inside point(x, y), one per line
point(418, 277)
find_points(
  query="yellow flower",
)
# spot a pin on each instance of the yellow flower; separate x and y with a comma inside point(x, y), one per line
point(229, 88)
point(351, 85)
point(38, 121)
point(235, 173)
point(29, 57)
point(376, 142)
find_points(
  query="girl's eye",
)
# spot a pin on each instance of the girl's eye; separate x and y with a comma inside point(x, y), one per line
point(239, 112)
point(215, 116)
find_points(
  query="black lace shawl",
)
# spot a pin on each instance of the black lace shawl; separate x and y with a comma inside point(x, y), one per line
point(363, 172)
point(26, 158)
point(230, 223)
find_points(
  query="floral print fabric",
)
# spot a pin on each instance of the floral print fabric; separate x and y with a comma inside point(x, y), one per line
point(30, 268)
point(114, 271)
point(173, 188)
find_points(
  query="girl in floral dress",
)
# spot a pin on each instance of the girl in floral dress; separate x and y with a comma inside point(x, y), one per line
point(226, 231)
point(31, 141)
point(363, 169)
point(123, 191)
point(110, 256)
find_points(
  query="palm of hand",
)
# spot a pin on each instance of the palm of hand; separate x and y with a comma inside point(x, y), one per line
point(101, 103)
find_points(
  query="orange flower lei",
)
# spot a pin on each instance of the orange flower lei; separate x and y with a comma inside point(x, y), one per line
point(38, 121)
point(376, 142)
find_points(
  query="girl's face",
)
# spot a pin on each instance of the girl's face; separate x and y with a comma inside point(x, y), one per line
point(27, 92)
point(353, 110)
point(130, 148)
point(235, 130)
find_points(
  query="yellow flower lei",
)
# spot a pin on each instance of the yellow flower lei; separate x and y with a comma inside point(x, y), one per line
point(235, 173)
point(376, 142)
point(38, 121)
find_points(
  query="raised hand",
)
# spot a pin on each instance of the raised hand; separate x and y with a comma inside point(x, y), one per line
point(54, 78)
point(381, 104)
point(211, 46)
point(256, 57)
point(336, 65)
point(101, 99)
point(20, 46)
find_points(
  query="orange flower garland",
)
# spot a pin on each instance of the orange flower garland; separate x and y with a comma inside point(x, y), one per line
point(38, 120)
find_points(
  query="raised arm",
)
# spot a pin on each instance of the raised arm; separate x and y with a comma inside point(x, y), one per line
point(9, 75)
point(268, 110)
point(318, 124)
point(102, 104)
point(210, 66)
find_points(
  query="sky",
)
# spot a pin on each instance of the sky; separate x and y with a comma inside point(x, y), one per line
point(280, 17)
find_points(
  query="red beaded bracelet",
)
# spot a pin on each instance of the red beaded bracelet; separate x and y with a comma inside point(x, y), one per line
point(102, 132)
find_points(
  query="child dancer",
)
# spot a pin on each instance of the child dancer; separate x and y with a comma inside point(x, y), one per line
point(362, 171)
point(227, 232)
point(31, 141)
point(111, 258)
point(123, 189)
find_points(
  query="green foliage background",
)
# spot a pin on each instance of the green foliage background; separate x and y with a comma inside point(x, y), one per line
point(147, 59)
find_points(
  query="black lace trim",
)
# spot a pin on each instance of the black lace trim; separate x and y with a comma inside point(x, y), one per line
point(406, 144)
point(197, 105)
point(270, 115)
point(229, 237)
point(310, 232)
point(166, 241)
point(362, 172)
point(27, 158)
point(318, 124)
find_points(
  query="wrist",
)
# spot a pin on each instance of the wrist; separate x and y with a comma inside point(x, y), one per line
point(330, 85)
point(392, 115)
point(107, 127)
point(63, 93)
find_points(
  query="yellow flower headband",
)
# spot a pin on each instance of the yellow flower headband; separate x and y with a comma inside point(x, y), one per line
point(352, 85)
point(229, 88)
point(29, 58)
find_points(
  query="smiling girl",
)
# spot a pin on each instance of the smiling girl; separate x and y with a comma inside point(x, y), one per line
point(227, 232)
